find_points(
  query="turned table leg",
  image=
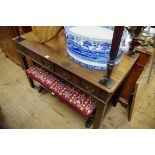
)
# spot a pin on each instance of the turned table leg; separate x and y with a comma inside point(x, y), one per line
point(25, 67)
point(116, 40)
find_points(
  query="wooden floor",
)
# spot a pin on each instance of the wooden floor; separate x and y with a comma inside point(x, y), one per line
point(23, 107)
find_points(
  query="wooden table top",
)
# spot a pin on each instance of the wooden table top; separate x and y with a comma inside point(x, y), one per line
point(56, 50)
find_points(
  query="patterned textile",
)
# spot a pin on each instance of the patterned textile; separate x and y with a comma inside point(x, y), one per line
point(76, 98)
point(45, 33)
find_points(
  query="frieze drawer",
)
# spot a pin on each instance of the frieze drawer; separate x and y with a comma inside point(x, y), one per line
point(34, 56)
point(67, 75)
point(47, 64)
point(21, 49)
point(90, 88)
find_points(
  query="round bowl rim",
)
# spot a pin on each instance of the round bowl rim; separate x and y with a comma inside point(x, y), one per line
point(95, 39)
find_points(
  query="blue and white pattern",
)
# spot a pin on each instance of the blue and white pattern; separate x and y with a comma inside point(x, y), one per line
point(92, 52)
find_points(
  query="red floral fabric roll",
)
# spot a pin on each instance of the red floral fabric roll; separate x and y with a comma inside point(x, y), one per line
point(76, 98)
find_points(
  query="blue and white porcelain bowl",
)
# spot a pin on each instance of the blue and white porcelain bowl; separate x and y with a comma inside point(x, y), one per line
point(90, 46)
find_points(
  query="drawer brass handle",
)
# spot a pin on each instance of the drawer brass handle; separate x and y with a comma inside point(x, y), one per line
point(49, 66)
point(90, 90)
point(34, 57)
point(66, 76)
point(24, 51)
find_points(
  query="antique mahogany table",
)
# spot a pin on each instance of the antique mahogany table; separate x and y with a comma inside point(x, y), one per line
point(53, 56)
